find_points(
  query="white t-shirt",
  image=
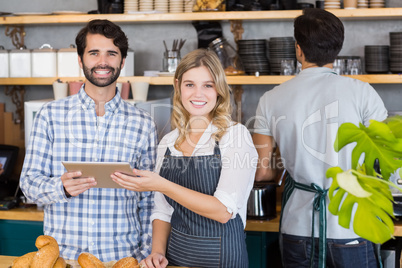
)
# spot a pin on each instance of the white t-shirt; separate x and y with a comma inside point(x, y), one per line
point(303, 115)
point(239, 161)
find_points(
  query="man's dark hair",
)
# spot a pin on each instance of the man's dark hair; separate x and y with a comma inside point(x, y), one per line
point(320, 35)
point(105, 28)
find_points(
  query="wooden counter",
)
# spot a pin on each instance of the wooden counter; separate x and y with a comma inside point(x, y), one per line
point(22, 214)
point(33, 214)
point(6, 261)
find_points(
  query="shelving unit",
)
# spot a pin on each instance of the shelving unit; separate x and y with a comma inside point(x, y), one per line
point(232, 80)
point(274, 15)
point(15, 29)
point(353, 14)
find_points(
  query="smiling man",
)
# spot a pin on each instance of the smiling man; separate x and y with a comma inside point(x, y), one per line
point(95, 125)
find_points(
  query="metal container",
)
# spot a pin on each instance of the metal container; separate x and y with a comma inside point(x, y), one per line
point(67, 62)
point(20, 63)
point(262, 201)
point(44, 62)
point(4, 63)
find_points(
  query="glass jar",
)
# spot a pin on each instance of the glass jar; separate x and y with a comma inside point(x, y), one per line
point(228, 56)
point(171, 60)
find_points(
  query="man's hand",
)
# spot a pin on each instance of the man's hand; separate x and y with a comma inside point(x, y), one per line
point(74, 184)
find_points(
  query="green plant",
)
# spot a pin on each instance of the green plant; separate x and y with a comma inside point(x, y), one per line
point(362, 186)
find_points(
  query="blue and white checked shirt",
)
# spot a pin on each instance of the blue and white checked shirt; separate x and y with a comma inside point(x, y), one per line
point(109, 223)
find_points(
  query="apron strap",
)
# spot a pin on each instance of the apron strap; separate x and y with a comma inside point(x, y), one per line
point(319, 204)
point(217, 151)
point(167, 153)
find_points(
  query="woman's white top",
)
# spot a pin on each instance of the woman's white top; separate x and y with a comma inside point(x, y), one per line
point(239, 162)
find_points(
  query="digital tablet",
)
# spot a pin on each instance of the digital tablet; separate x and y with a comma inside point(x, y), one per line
point(101, 171)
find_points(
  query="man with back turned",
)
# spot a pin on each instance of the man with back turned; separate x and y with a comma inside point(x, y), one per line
point(318, 101)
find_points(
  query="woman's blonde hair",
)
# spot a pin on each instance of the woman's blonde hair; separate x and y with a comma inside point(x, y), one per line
point(221, 114)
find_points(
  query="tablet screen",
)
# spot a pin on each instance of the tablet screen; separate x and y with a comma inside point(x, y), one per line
point(101, 171)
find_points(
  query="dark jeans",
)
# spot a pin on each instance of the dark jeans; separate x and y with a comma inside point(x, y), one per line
point(296, 252)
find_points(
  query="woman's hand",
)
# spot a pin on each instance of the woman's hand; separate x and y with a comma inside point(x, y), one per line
point(155, 260)
point(143, 180)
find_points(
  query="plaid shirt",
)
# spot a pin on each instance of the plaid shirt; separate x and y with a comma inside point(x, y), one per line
point(109, 223)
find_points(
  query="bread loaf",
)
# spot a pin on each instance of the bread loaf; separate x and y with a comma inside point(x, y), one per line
point(24, 261)
point(60, 263)
point(127, 262)
point(87, 260)
point(48, 252)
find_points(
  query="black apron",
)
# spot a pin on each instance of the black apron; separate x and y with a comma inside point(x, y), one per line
point(197, 241)
point(320, 206)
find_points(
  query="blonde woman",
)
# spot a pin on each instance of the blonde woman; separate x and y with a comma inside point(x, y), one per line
point(205, 171)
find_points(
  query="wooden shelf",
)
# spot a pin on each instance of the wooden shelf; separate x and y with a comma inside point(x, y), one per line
point(354, 14)
point(233, 80)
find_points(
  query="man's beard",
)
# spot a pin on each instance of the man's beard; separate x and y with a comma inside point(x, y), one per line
point(101, 82)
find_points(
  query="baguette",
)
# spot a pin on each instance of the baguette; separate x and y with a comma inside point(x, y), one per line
point(60, 263)
point(87, 260)
point(48, 252)
point(127, 262)
point(24, 261)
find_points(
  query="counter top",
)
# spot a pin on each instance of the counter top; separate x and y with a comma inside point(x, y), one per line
point(34, 214)
point(6, 261)
point(22, 214)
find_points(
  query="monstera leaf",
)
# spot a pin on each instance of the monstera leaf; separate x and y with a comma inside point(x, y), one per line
point(395, 125)
point(372, 195)
point(376, 142)
point(361, 187)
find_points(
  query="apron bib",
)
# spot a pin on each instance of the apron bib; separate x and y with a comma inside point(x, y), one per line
point(197, 241)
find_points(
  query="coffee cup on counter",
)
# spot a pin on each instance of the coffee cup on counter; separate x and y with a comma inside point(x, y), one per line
point(139, 90)
point(60, 89)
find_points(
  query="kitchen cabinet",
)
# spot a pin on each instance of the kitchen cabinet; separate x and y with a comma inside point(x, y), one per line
point(18, 237)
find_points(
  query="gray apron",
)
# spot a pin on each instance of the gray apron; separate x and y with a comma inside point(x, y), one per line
point(197, 241)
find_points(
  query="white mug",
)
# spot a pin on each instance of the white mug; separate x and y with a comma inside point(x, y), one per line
point(139, 90)
point(60, 90)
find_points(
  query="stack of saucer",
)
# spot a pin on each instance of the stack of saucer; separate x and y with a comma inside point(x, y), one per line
point(253, 54)
point(362, 4)
point(280, 48)
point(161, 6)
point(176, 6)
point(188, 5)
point(130, 6)
point(377, 59)
point(377, 3)
point(395, 49)
point(332, 4)
point(146, 5)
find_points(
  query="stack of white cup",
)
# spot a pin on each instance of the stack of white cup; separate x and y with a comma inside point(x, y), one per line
point(176, 6)
point(130, 6)
point(332, 4)
point(362, 4)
